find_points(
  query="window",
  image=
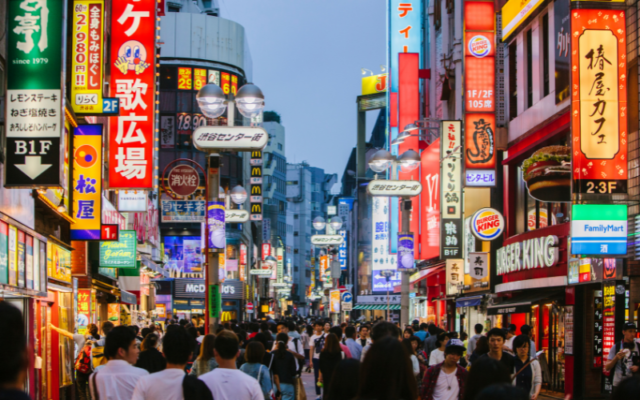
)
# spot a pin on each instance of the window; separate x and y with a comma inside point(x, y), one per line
point(295, 251)
point(279, 146)
point(296, 216)
point(529, 45)
point(307, 273)
point(292, 182)
point(295, 269)
point(513, 81)
point(295, 233)
point(545, 55)
point(174, 9)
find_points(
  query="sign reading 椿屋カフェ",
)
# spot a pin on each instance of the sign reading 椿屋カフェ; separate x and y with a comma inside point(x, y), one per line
point(394, 188)
point(35, 96)
point(238, 138)
point(599, 229)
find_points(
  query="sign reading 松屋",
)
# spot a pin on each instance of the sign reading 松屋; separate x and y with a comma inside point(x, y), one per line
point(120, 254)
point(87, 182)
point(599, 229)
point(35, 117)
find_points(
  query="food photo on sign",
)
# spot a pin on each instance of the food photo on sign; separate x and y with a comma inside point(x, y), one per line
point(548, 174)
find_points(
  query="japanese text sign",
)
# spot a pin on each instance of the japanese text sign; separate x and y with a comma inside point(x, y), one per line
point(599, 102)
point(266, 250)
point(455, 275)
point(599, 229)
point(182, 211)
point(430, 201)
point(381, 257)
point(405, 33)
point(477, 278)
point(84, 310)
point(87, 182)
point(120, 254)
point(131, 135)
point(87, 56)
point(451, 190)
point(35, 118)
point(342, 250)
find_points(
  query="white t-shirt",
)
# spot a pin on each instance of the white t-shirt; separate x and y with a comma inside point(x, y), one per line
point(116, 380)
point(232, 384)
point(622, 369)
point(312, 343)
point(446, 387)
point(291, 345)
point(165, 385)
point(436, 357)
point(509, 344)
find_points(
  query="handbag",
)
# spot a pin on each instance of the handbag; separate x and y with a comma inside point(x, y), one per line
point(272, 393)
point(299, 389)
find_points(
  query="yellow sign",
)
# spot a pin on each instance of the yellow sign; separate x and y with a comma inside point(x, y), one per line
point(374, 84)
point(87, 58)
point(514, 13)
point(58, 263)
point(87, 182)
point(334, 301)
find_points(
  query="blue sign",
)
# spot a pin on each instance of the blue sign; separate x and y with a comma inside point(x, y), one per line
point(346, 297)
point(405, 33)
point(111, 105)
point(182, 211)
point(406, 249)
point(380, 283)
point(342, 250)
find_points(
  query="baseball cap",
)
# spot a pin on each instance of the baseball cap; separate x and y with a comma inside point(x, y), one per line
point(455, 343)
point(629, 325)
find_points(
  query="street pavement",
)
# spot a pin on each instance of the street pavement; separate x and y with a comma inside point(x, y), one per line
point(307, 379)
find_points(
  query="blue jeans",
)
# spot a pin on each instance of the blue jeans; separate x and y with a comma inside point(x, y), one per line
point(316, 371)
point(287, 391)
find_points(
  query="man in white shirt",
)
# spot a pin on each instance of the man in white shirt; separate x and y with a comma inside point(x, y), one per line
point(117, 379)
point(508, 344)
point(316, 342)
point(226, 382)
point(445, 381)
point(168, 384)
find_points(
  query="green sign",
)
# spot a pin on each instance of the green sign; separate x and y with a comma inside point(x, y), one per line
point(34, 35)
point(120, 254)
point(215, 301)
point(109, 272)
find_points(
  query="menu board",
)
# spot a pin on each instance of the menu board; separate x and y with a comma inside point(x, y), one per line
point(568, 330)
point(597, 332)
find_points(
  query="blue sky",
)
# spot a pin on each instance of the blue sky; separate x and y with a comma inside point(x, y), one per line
point(307, 59)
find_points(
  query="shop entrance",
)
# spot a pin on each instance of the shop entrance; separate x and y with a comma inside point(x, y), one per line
point(549, 335)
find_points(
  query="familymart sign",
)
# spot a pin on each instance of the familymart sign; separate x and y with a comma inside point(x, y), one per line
point(599, 229)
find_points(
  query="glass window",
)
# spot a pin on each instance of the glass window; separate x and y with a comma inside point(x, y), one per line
point(529, 45)
point(545, 55)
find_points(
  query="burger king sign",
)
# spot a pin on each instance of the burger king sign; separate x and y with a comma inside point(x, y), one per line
point(487, 224)
point(479, 46)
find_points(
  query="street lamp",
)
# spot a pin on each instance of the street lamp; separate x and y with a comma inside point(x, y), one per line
point(319, 223)
point(335, 222)
point(409, 160)
point(238, 195)
point(250, 100)
point(211, 100)
point(381, 161)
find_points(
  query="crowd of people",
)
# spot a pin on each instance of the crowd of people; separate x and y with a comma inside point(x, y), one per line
point(265, 361)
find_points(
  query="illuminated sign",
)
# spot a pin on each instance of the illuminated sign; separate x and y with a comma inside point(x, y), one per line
point(514, 13)
point(381, 257)
point(237, 138)
point(327, 240)
point(58, 262)
point(430, 199)
point(599, 102)
point(255, 182)
point(87, 182)
point(120, 254)
point(325, 274)
point(84, 309)
point(406, 250)
point(87, 56)
point(477, 277)
point(487, 224)
point(266, 250)
point(374, 84)
point(405, 33)
point(451, 205)
point(455, 275)
point(236, 216)
point(528, 254)
point(599, 229)
point(342, 250)
point(184, 78)
point(216, 225)
point(132, 62)
point(394, 188)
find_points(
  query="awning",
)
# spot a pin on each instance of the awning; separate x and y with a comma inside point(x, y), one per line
point(523, 302)
point(470, 301)
point(376, 307)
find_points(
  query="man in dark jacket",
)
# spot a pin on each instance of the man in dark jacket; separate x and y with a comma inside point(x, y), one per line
point(13, 357)
point(430, 342)
point(449, 374)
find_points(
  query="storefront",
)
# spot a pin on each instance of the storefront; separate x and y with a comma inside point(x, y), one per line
point(189, 299)
point(373, 307)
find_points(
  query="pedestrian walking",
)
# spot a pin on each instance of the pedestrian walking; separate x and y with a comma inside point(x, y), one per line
point(205, 362)
point(411, 344)
point(254, 367)
point(345, 381)
point(305, 337)
point(446, 380)
point(329, 358)
point(172, 383)
point(430, 342)
point(226, 382)
point(284, 368)
point(316, 344)
point(350, 341)
point(526, 330)
point(624, 356)
point(386, 372)
point(150, 357)
point(118, 377)
point(485, 372)
point(408, 332)
point(474, 339)
point(437, 354)
point(496, 338)
point(422, 333)
point(98, 357)
point(379, 331)
point(481, 348)
point(14, 360)
point(510, 336)
point(363, 336)
point(528, 378)
point(336, 330)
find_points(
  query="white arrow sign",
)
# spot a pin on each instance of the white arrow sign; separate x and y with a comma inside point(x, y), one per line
point(33, 166)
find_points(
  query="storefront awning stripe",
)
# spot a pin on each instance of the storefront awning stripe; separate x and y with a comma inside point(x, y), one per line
point(470, 301)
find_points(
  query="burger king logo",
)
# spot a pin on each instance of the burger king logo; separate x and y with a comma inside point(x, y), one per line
point(479, 46)
point(487, 224)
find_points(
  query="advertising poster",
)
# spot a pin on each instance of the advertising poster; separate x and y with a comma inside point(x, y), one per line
point(4, 252)
point(406, 249)
point(325, 274)
point(381, 257)
point(58, 263)
point(13, 258)
point(380, 283)
point(430, 201)
point(120, 254)
point(29, 261)
point(132, 65)
point(87, 182)
point(598, 103)
point(21, 259)
point(184, 78)
point(167, 131)
point(83, 317)
point(215, 222)
point(334, 301)
point(113, 313)
point(608, 317)
point(183, 254)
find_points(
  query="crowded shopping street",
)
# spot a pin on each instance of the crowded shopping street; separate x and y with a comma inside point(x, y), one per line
point(319, 200)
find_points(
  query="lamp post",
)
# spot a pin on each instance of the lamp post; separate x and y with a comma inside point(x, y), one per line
point(408, 161)
point(213, 103)
point(329, 241)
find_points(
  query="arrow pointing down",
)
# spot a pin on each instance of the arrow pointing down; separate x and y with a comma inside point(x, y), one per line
point(33, 166)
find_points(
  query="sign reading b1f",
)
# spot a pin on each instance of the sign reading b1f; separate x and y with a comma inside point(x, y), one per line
point(35, 106)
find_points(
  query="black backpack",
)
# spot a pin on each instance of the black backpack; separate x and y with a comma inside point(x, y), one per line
point(195, 389)
point(318, 344)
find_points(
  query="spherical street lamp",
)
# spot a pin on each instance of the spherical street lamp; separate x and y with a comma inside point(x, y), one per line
point(381, 161)
point(211, 100)
point(250, 100)
point(335, 222)
point(411, 127)
point(238, 195)
point(271, 261)
point(409, 160)
point(319, 223)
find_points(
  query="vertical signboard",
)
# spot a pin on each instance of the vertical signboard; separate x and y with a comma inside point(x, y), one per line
point(255, 181)
point(562, 30)
point(13, 259)
point(216, 225)
point(132, 61)
point(608, 318)
point(87, 182)
point(266, 250)
point(406, 251)
point(86, 58)
point(405, 33)
point(120, 254)
point(479, 75)
point(35, 99)
point(599, 102)
point(430, 201)
point(342, 250)
point(451, 190)
point(84, 310)
point(455, 275)
point(381, 257)
point(21, 259)
point(4, 253)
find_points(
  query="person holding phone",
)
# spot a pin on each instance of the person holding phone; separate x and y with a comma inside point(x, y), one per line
point(624, 356)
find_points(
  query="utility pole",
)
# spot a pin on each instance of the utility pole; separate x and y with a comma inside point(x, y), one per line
point(404, 288)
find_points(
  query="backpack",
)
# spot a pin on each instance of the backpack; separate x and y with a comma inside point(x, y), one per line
point(299, 362)
point(83, 361)
point(195, 389)
point(97, 356)
point(318, 344)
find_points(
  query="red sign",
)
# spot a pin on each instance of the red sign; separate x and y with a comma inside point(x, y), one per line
point(109, 232)
point(225, 82)
point(183, 180)
point(266, 250)
point(184, 78)
point(608, 318)
point(243, 254)
point(599, 101)
point(430, 201)
point(479, 141)
point(131, 135)
point(249, 306)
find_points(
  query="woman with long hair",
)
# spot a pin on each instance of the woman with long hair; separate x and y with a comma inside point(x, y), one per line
point(482, 348)
point(345, 381)
point(437, 355)
point(284, 368)
point(205, 361)
point(529, 378)
point(411, 344)
point(330, 356)
point(408, 332)
point(254, 354)
point(386, 372)
point(150, 358)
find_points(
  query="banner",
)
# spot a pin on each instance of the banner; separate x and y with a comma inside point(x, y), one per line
point(215, 222)
point(451, 205)
point(381, 257)
point(132, 62)
point(255, 181)
point(58, 263)
point(87, 182)
point(430, 201)
point(120, 254)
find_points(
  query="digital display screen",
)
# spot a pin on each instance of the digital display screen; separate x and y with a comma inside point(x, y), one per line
point(184, 253)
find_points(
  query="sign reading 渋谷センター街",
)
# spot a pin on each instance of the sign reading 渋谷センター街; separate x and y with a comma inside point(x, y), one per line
point(35, 95)
point(599, 102)
point(450, 190)
point(132, 61)
point(87, 182)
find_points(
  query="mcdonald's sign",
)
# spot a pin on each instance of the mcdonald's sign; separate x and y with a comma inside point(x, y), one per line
point(256, 171)
point(256, 185)
point(256, 190)
point(256, 208)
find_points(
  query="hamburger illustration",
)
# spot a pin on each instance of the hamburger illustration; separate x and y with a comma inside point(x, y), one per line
point(548, 173)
